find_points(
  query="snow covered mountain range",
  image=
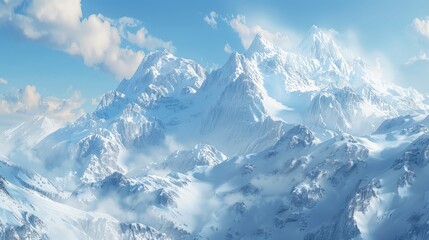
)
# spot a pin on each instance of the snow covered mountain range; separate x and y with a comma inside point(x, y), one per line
point(308, 144)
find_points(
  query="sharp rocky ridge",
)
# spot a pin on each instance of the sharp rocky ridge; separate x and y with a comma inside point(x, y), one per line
point(309, 144)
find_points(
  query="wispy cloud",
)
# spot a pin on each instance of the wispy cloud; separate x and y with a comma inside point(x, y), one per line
point(95, 101)
point(29, 102)
point(211, 19)
point(143, 39)
point(98, 40)
point(228, 48)
point(421, 26)
point(421, 57)
point(247, 33)
point(3, 81)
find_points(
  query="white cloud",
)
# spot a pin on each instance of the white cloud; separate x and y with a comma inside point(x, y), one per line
point(421, 26)
point(247, 33)
point(6, 8)
point(211, 19)
point(124, 23)
point(421, 57)
point(127, 21)
point(96, 39)
point(28, 102)
point(228, 48)
point(95, 101)
point(3, 81)
point(143, 39)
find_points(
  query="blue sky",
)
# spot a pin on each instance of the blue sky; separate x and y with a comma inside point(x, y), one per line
point(73, 51)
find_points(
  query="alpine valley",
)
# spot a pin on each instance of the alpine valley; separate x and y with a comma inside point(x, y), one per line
point(310, 143)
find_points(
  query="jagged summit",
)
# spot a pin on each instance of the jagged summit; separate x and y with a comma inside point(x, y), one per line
point(161, 73)
point(319, 44)
point(154, 60)
point(298, 136)
point(186, 160)
point(316, 31)
point(261, 45)
point(236, 65)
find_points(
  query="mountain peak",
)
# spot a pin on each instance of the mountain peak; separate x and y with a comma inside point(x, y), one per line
point(298, 136)
point(201, 155)
point(315, 30)
point(235, 66)
point(315, 33)
point(235, 58)
point(163, 62)
point(235, 63)
point(163, 73)
point(163, 53)
point(155, 58)
point(320, 45)
point(260, 45)
point(238, 64)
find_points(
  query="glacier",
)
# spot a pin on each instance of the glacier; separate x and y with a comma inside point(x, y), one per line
point(303, 144)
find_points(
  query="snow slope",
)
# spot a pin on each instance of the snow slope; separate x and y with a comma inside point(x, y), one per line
point(27, 134)
point(301, 187)
point(32, 209)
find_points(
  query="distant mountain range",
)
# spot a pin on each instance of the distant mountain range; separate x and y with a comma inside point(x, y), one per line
point(306, 144)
